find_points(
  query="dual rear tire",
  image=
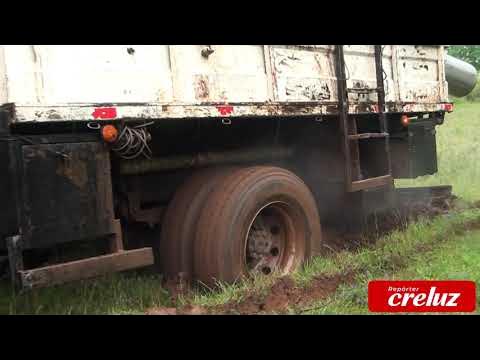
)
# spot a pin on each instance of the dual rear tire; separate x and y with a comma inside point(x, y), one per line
point(227, 223)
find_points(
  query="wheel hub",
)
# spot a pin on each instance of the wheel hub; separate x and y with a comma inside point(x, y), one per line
point(265, 242)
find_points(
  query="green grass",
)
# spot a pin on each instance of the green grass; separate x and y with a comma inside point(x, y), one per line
point(425, 250)
point(456, 259)
point(115, 294)
point(393, 251)
point(231, 292)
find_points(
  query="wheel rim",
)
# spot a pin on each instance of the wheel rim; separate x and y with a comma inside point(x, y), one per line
point(273, 242)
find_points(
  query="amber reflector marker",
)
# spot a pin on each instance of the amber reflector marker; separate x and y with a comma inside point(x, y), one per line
point(109, 133)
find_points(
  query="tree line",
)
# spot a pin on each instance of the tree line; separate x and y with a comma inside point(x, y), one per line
point(468, 53)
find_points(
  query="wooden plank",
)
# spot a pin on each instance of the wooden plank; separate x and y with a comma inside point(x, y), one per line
point(371, 183)
point(86, 268)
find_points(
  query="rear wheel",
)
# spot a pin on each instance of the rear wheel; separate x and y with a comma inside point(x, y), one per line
point(258, 219)
point(180, 222)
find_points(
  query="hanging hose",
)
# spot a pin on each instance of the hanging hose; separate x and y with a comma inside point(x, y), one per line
point(133, 142)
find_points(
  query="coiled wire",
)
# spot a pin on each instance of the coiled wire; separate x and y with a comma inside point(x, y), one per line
point(133, 142)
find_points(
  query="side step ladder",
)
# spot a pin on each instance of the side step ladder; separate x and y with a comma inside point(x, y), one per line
point(348, 127)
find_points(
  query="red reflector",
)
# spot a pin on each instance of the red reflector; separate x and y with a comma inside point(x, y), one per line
point(105, 113)
point(225, 110)
point(421, 296)
point(448, 107)
point(405, 120)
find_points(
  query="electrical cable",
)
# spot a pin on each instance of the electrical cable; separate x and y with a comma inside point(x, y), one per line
point(133, 142)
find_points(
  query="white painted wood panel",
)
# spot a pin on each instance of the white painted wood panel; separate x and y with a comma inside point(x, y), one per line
point(157, 80)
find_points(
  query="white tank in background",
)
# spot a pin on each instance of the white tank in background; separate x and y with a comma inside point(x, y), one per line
point(461, 76)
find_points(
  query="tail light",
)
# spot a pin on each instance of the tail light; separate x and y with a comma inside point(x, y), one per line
point(448, 107)
point(109, 133)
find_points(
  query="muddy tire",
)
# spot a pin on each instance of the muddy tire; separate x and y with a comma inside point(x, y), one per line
point(258, 219)
point(179, 224)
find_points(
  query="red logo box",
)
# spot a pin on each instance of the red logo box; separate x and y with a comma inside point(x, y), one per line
point(421, 296)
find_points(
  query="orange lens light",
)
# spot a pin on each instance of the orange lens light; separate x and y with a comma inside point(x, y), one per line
point(109, 133)
point(405, 120)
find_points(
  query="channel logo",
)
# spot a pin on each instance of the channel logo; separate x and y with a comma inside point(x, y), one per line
point(421, 296)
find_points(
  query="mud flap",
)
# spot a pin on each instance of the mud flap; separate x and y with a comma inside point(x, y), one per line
point(415, 154)
point(422, 148)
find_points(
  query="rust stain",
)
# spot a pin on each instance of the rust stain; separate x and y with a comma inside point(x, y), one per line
point(321, 92)
point(202, 91)
point(75, 170)
point(53, 115)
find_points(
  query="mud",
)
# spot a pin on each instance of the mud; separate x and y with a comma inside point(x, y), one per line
point(186, 310)
point(285, 294)
point(408, 210)
point(335, 241)
point(162, 311)
point(381, 224)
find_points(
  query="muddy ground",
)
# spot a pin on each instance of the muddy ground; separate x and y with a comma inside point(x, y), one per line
point(286, 294)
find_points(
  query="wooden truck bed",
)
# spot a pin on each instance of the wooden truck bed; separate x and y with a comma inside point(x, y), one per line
point(86, 83)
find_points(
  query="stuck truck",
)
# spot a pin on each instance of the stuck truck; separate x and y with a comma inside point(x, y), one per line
point(212, 162)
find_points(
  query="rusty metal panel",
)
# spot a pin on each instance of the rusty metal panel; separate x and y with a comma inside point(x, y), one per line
point(9, 218)
point(303, 73)
point(67, 193)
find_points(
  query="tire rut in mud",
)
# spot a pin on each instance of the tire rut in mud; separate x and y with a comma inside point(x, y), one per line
point(285, 295)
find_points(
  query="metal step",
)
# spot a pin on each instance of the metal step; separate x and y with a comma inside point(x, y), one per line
point(348, 131)
point(368, 136)
point(86, 268)
point(371, 183)
point(415, 194)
